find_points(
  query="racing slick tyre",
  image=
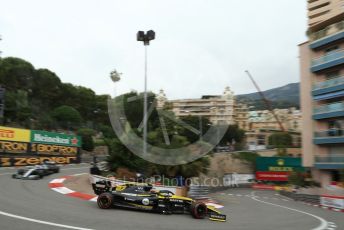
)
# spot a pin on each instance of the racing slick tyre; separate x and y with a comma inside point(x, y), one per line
point(199, 210)
point(105, 200)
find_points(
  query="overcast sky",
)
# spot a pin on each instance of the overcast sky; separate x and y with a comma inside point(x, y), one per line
point(200, 46)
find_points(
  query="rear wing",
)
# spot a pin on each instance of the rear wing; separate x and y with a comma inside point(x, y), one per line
point(101, 186)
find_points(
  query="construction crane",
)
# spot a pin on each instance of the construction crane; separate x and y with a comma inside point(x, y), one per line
point(266, 101)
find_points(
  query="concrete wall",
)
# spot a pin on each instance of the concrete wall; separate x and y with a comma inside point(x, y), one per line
point(322, 176)
point(306, 83)
point(224, 163)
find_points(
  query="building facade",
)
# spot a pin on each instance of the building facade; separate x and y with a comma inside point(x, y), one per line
point(322, 90)
point(258, 139)
point(263, 119)
point(241, 114)
point(219, 109)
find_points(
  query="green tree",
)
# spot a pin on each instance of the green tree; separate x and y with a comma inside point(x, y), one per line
point(67, 116)
point(32, 93)
point(202, 124)
point(107, 131)
point(120, 156)
point(16, 73)
point(100, 112)
point(46, 89)
point(297, 178)
point(87, 139)
point(232, 135)
point(192, 169)
point(281, 141)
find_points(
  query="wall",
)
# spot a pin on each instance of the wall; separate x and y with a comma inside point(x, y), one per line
point(306, 106)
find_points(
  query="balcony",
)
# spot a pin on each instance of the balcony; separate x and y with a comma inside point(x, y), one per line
point(331, 136)
point(328, 86)
point(328, 111)
point(329, 60)
point(329, 162)
point(327, 35)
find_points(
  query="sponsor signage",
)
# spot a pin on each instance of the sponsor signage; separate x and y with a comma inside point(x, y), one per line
point(14, 134)
point(14, 147)
point(332, 201)
point(34, 148)
point(19, 147)
point(34, 160)
point(53, 149)
point(55, 138)
point(272, 176)
point(263, 186)
point(280, 169)
point(279, 164)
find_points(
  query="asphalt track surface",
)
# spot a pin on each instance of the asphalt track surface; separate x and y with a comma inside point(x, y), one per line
point(31, 205)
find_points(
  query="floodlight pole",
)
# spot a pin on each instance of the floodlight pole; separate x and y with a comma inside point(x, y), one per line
point(145, 38)
point(145, 108)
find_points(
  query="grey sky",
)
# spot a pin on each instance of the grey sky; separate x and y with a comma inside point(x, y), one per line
point(201, 46)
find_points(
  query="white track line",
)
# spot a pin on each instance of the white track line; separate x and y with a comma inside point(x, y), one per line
point(94, 199)
point(59, 180)
point(42, 222)
point(322, 226)
point(63, 190)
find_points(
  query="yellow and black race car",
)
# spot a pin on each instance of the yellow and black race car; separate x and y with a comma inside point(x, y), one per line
point(143, 197)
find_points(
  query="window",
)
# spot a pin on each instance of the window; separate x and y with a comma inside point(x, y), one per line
point(319, 14)
point(331, 49)
point(332, 74)
point(319, 6)
point(295, 125)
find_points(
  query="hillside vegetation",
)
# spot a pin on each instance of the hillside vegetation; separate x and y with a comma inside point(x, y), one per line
point(281, 97)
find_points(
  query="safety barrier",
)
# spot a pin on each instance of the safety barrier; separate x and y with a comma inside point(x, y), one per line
point(312, 199)
point(198, 192)
point(175, 189)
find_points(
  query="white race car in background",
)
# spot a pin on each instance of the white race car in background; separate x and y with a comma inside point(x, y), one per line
point(36, 172)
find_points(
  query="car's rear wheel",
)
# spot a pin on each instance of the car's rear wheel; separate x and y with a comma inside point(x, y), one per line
point(105, 200)
point(199, 210)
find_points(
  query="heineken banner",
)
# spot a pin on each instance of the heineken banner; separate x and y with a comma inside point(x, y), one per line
point(19, 147)
point(55, 138)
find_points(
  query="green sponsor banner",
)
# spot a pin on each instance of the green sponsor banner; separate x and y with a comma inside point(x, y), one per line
point(55, 138)
point(279, 164)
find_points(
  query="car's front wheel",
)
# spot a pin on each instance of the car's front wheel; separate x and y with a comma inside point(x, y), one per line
point(105, 200)
point(199, 210)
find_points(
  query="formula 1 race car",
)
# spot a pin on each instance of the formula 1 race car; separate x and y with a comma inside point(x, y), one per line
point(29, 173)
point(143, 197)
point(36, 172)
point(51, 166)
